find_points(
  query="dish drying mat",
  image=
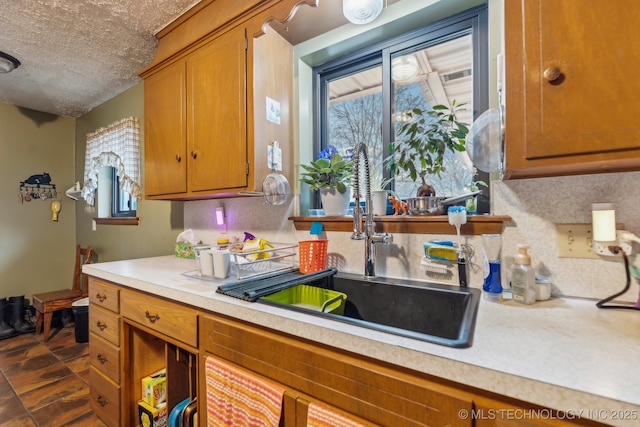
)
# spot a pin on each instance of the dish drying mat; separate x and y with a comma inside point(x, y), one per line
point(252, 289)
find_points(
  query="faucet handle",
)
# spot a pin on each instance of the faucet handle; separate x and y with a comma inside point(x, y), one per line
point(384, 238)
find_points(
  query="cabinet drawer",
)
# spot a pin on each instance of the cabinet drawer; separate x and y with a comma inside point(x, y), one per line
point(104, 295)
point(104, 398)
point(105, 324)
point(105, 357)
point(172, 320)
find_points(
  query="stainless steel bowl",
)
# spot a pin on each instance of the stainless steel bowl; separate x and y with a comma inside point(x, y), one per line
point(431, 205)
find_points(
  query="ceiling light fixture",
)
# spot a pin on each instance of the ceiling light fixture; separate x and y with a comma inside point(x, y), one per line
point(361, 11)
point(404, 68)
point(8, 63)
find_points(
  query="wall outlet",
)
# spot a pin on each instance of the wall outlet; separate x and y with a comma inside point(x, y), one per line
point(603, 249)
point(575, 241)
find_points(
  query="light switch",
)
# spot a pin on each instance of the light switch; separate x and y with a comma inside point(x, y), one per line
point(575, 241)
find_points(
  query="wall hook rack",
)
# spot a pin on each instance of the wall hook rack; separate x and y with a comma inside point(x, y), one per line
point(37, 187)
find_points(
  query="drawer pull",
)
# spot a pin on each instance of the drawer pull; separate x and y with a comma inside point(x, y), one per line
point(552, 74)
point(102, 359)
point(101, 297)
point(178, 158)
point(102, 401)
point(152, 317)
point(101, 325)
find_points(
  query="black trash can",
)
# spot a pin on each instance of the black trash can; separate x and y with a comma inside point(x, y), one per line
point(81, 317)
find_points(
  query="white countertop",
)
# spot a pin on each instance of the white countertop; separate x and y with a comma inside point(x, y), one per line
point(562, 353)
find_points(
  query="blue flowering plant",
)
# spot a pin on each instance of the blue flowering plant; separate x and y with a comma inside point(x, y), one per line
point(330, 170)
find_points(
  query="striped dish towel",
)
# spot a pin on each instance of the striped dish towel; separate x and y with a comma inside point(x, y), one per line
point(321, 416)
point(238, 399)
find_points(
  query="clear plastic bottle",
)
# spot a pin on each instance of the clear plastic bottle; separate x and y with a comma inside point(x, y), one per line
point(523, 277)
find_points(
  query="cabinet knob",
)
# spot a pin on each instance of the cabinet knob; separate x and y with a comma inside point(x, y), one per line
point(194, 154)
point(152, 317)
point(178, 158)
point(102, 359)
point(101, 297)
point(102, 401)
point(101, 325)
point(551, 74)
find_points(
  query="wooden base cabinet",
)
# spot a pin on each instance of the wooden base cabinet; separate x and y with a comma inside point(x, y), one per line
point(105, 354)
point(157, 334)
point(133, 335)
point(362, 389)
point(571, 97)
point(365, 390)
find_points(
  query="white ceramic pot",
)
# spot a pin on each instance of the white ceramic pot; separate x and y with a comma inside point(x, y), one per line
point(379, 202)
point(334, 203)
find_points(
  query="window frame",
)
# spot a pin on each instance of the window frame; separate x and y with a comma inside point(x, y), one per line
point(474, 20)
point(116, 197)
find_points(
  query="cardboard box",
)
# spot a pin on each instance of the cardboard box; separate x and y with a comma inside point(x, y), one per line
point(152, 416)
point(154, 388)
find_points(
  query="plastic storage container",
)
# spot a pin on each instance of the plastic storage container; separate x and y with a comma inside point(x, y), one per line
point(313, 255)
point(310, 297)
point(80, 310)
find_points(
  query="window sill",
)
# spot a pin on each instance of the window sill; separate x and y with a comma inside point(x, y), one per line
point(117, 221)
point(437, 224)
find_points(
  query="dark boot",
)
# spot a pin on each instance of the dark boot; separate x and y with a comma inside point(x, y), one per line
point(16, 316)
point(6, 331)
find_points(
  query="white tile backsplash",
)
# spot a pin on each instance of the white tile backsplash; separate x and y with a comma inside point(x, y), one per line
point(535, 205)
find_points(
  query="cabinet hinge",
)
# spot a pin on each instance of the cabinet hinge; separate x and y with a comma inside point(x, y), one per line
point(246, 44)
point(247, 169)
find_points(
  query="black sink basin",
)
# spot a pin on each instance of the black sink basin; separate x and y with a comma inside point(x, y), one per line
point(435, 313)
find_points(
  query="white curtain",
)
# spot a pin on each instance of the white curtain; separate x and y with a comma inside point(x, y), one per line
point(116, 145)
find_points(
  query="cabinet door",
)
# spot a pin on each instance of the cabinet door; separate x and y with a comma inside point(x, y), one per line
point(325, 415)
point(571, 92)
point(165, 131)
point(217, 117)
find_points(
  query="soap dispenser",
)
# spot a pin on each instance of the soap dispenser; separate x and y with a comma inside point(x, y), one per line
point(523, 288)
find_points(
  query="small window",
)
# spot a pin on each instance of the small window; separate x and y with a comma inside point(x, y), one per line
point(122, 203)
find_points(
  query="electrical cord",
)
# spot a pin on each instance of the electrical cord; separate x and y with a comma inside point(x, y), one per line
point(601, 304)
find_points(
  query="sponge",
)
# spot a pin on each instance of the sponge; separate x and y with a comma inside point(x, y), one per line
point(440, 252)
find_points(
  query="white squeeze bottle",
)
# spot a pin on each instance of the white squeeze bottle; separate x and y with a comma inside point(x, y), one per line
point(523, 288)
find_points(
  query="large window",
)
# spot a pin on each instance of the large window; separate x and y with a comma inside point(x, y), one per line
point(365, 96)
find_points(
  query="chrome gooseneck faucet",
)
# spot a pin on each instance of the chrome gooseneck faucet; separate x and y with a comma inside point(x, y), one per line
point(369, 234)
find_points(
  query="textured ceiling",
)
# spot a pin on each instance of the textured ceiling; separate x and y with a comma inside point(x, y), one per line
point(77, 54)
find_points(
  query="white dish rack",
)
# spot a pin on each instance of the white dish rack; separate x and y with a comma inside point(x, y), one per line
point(255, 263)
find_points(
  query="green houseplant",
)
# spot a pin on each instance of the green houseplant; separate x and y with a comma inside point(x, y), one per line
point(331, 175)
point(328, 171)
point(422, 142)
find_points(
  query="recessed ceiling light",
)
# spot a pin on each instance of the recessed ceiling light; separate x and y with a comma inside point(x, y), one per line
point(8, 63)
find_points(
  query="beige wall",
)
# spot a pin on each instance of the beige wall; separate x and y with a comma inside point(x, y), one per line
point(37, 254)
point(160, 221)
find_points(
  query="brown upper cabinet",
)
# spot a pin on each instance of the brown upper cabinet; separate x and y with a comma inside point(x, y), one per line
point(206, 130)
point(195, 120)
point(571, 96)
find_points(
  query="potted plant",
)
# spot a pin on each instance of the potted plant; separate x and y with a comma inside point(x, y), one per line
point(422, 142)
point(331, 175)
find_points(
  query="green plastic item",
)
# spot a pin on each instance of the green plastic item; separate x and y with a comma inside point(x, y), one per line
point(311, 298)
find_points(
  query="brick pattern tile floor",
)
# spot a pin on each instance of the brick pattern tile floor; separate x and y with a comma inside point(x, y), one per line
point(45, 384)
